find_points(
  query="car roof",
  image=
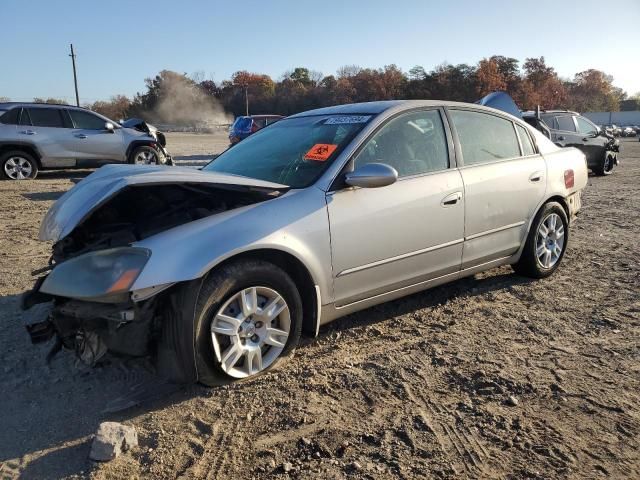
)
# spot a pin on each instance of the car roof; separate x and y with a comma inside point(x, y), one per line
point(8, 105)
point(530, 113)
point(375, 108)
point(260, 116)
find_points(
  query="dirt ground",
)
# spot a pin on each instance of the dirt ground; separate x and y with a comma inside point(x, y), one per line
point(415, 388)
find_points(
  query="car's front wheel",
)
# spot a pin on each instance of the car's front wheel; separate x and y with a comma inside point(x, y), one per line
point(546, 243)
point(606, 165)
point(145, 156)
point(18, 165)
point(248, 319)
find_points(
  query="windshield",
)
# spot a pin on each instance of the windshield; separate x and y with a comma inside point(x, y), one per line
point(294, 151)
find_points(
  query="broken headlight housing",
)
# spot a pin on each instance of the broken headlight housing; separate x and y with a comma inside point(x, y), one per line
point(104, 275)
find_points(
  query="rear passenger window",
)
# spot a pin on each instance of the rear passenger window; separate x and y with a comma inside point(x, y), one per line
point(10, 117)
point(484, 138)
point(46, 117)
point(525, 141)
point(550, 120)
point(413, 144)
point(566, 123)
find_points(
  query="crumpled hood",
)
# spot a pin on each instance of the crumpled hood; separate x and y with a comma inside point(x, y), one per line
point(76, 204)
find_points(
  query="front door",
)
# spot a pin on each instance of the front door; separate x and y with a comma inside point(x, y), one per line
point(594, 145)
point(411, 231)
point(503, 186)
point(92, 143)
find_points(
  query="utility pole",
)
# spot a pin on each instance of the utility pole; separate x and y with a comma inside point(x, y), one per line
point(75, 76)
point(246, 98)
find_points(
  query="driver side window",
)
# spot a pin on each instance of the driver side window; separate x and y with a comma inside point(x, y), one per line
point(413, 144)
point(586, 127)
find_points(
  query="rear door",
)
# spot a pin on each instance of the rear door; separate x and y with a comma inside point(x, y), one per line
point(91, 143)
point(387, 238)
point(47, 127)
point(504, 181)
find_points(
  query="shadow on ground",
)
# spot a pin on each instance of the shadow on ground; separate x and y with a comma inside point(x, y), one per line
point(65, 403)
point(43, 196)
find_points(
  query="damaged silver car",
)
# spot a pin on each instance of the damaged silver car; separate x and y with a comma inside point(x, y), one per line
point(218, 272)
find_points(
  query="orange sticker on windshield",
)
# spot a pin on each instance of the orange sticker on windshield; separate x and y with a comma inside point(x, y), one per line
point(320, 152)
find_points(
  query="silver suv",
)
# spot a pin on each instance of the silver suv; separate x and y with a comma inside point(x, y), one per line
point(41, 136)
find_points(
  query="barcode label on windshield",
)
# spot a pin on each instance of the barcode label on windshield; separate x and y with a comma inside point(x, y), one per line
point(343, 120)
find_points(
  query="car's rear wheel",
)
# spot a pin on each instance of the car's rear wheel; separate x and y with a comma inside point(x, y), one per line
point(145, 156)
point(18, 165)
point(606, 165)
point(546, 243)
point(248, 319)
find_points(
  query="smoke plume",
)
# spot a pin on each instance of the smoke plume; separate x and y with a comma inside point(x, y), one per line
point(183, 103)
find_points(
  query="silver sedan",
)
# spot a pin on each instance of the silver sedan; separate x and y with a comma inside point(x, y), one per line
point(221, 270)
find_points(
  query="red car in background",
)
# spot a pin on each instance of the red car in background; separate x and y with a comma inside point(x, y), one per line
point(244, 126)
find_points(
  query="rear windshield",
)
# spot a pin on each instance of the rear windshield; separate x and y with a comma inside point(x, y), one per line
point(294, 151)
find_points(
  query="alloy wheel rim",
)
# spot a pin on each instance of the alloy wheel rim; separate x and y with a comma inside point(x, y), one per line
point(250, 331)
point(146, 158)
point(18, 168)
point(550, 240)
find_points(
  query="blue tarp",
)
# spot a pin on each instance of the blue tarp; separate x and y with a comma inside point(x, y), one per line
point(501, 101)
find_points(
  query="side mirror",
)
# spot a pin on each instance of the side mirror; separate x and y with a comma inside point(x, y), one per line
point(110, 127)
point(372, 175)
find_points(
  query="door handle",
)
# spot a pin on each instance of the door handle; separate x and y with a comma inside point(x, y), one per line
point(585, 139)
point(81, 135)
point(451, 199)
point(561, 138)
point(535, 177)
point(28, 132)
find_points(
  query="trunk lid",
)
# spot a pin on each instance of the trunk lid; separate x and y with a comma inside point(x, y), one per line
point(78, 203)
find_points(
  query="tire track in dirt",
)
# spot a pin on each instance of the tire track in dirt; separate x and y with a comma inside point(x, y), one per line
point(457, 441)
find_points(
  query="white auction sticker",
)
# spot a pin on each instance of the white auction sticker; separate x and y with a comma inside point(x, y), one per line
point(343, 120)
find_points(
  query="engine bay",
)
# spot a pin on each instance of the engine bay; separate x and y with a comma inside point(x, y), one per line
point(139, 212)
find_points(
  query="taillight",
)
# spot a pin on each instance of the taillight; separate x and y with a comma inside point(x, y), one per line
point(569, 178)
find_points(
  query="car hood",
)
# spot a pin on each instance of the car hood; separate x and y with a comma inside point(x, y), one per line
point(76, 204)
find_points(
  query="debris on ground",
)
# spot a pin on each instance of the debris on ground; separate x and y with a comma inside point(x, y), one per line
point(111, 439)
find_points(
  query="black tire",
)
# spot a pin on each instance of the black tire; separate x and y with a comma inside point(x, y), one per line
point(606, 166)
point(28, 172)
point(529, 265)
point(221, 285)
point(146, 150)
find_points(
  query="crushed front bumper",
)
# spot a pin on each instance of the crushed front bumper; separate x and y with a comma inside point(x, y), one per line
point(88, 328)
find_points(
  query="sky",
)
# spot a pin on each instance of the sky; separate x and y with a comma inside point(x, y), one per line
point(119, 43)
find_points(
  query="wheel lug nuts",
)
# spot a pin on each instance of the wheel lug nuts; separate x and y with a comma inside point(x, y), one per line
point(258, 324)
point(255, 338)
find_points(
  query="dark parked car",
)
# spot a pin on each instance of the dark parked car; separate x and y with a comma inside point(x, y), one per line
point(246, 125)
point(628, 132)
point(570, 129)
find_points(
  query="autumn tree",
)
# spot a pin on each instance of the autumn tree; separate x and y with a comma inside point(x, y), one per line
point(116, 108)
point(542, 85)
point(592, 90)
point(489, 77)
point(50, 100)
